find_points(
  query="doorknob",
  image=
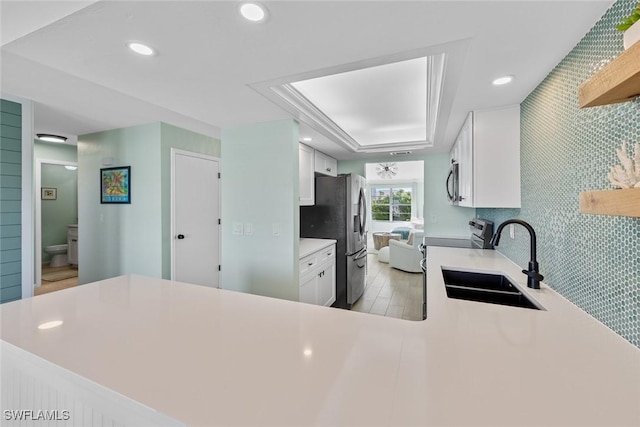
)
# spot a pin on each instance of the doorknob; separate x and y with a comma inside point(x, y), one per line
point(180, 236)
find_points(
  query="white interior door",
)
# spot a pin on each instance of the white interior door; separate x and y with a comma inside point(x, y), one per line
point(195, 218)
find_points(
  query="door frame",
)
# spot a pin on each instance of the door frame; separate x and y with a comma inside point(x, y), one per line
point(37, 243)
point(175, 151)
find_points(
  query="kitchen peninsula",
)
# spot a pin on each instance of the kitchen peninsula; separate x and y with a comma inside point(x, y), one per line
point(203, 356)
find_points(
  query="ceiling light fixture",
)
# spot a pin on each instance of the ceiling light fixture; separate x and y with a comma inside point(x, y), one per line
point(307, 139)
point(70, 167)
point(502, 80)
point(387, 170)
point(141, 49)
point(51, 138)
point(253, 11)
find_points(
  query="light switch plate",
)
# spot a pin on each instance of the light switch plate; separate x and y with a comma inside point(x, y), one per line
point(275, 227)
point(248, 229)
point(237, 229)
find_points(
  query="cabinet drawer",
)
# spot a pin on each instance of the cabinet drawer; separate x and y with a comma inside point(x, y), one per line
point(308, 263)
point(327, 253)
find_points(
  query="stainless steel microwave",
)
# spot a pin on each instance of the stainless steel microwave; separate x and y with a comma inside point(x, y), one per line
point(453, 183)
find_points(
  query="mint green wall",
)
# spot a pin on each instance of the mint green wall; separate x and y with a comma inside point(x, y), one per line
point(450, 221)
point(260, 186)
point(174, 137)
point(53, 151)
point(57, 214)
point(10, 201)
point(593, 260)
point(120, 239)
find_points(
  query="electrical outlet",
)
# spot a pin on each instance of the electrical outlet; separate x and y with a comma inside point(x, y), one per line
point(275, 229)
point(512, 231)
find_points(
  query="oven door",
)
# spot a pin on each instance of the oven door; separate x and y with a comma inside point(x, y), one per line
point(452, 184)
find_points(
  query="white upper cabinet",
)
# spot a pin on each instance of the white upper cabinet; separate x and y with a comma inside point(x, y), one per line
point(306, 175)
point(488, 154)
point(325, 165)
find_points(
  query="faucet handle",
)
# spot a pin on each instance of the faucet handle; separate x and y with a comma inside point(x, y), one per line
point(533, 274)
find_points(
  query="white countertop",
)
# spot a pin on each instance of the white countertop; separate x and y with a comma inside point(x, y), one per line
point(309, 246)
point(213, 357)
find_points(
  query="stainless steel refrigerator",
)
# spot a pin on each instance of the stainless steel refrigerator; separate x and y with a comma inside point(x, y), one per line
point(340, 213)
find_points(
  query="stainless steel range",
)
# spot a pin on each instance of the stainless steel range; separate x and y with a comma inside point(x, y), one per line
point(481, 233)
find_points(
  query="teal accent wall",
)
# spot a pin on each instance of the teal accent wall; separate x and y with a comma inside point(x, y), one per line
point(175, 137)
point(260, 186)
point(130, 238)
point(450, 221)
point(592, 260)
point(10, 201)
point(58, 214)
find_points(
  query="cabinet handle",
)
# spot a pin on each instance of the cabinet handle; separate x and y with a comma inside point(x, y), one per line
point(310, 264)
point(328, 169)
point(74, 240)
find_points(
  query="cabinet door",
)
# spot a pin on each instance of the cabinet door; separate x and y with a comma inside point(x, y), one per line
point(325, 165)
point(465, 162)
point(306, 176)
point(327, 284)
point(308, 288)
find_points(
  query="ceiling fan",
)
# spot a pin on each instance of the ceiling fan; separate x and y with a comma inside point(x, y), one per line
point(387, 170)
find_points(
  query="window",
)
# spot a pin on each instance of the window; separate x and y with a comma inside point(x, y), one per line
point(390, 203)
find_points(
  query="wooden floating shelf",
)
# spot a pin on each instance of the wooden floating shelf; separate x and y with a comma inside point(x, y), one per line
point(618, 81)
point(625, 202)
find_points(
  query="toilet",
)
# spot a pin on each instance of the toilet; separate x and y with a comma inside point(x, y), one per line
point(58, 255)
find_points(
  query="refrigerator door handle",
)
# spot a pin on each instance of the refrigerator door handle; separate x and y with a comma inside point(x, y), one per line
point(360, 254)
point(362, 208)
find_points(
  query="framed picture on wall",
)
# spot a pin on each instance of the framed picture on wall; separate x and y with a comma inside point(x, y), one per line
point(115, 185)
point(49, 193)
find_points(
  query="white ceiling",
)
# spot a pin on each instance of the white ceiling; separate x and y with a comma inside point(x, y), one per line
point(376, 105)
point(73, 62)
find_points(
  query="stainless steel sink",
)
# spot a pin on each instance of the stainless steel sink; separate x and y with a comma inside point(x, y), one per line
point(485, 287)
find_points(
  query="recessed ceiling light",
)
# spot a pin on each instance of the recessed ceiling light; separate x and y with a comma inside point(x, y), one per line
point(253, 11)
point(141, 49)
point(307, 139)
point(503, 80)
point(70, 167)
point(51, 138)
point(49, 325)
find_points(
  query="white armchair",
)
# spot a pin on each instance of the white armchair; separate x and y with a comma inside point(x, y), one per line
point(404, 256)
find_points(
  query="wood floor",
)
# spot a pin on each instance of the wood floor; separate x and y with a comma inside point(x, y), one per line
point(47, 286)
point(391, 292)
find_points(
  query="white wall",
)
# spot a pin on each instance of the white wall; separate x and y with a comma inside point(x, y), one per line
point(260, 187)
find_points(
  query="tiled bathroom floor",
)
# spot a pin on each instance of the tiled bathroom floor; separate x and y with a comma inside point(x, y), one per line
point(391, 292)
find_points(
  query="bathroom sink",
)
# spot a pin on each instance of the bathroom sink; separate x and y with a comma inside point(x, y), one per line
point(485, 287)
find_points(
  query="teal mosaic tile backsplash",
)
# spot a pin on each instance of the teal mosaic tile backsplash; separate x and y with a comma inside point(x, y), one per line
point(593, 260)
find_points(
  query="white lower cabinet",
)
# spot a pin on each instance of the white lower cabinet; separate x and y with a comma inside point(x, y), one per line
point(318, 277)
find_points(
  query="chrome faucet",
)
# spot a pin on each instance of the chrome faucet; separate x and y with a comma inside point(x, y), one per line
point(533, 276)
